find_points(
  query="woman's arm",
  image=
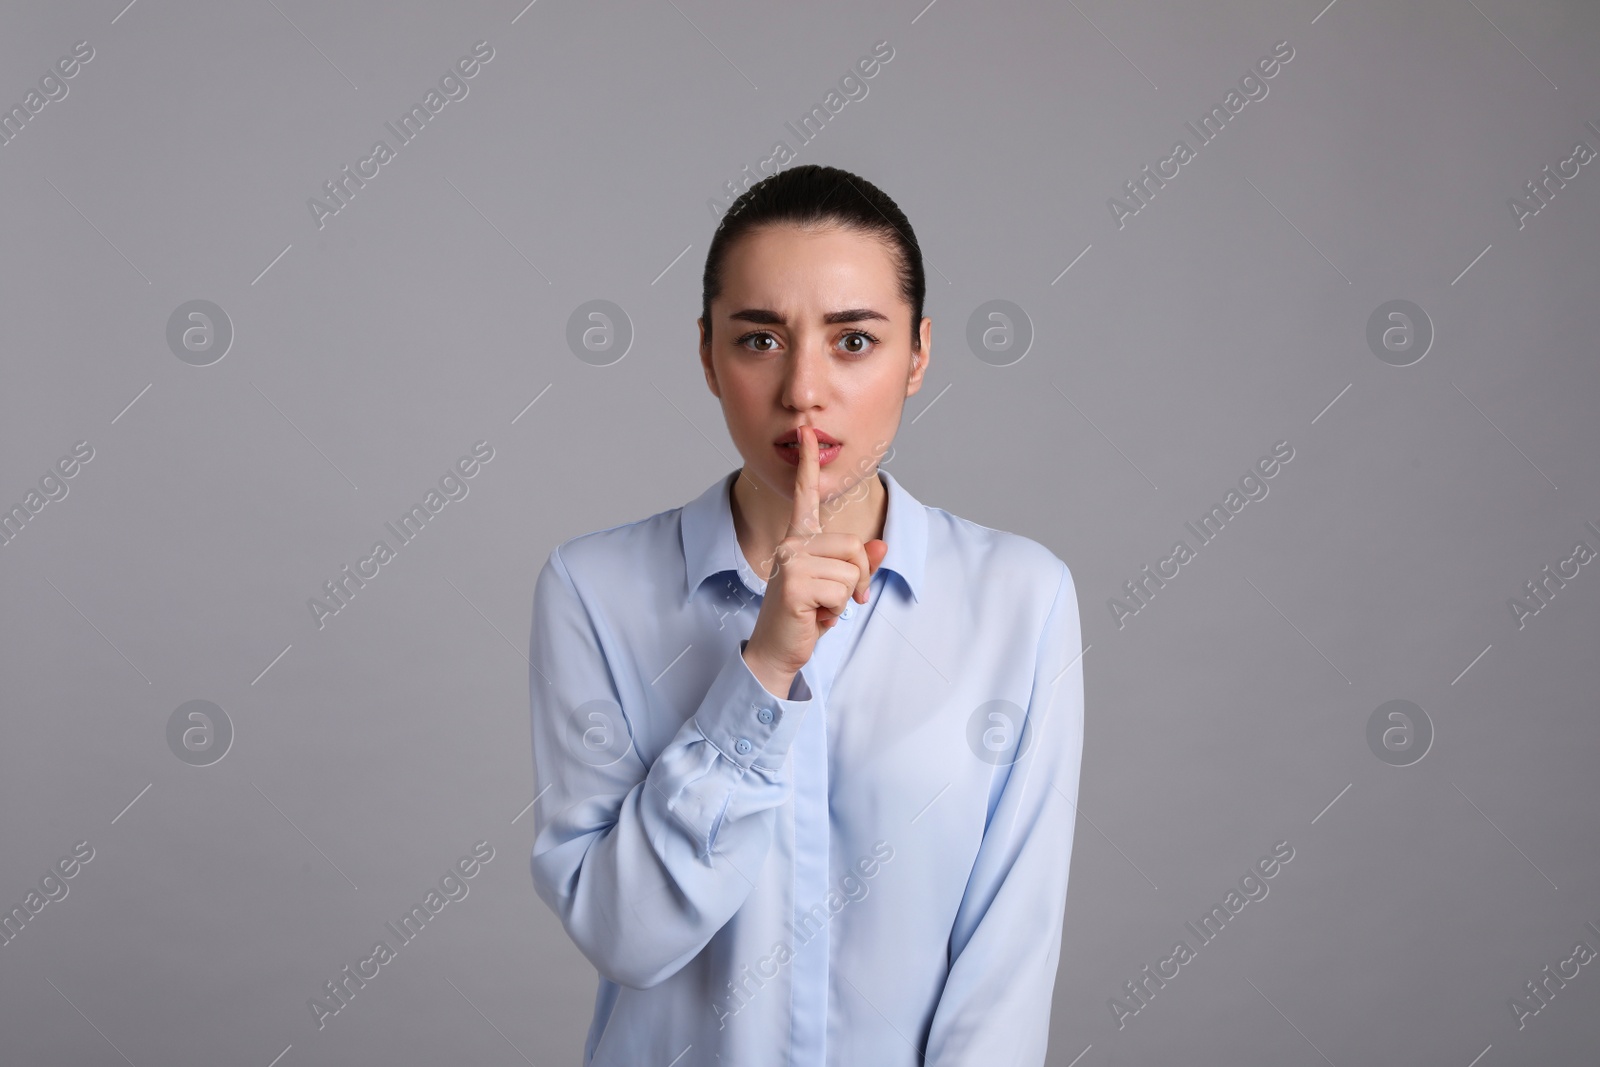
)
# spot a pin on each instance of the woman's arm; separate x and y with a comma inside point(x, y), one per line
point(1007, 933)
point(643, 864)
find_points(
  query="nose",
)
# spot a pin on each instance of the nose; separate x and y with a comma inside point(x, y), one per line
point(805, 374)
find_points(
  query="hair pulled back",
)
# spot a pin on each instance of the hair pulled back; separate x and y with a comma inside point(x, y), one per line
point(812, 196)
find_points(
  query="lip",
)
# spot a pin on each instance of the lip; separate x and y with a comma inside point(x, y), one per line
point(824, 439)
point(825, 454)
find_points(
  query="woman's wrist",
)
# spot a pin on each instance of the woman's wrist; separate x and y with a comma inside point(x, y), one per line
point(773, 679)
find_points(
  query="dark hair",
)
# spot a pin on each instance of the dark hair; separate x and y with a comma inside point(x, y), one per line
point(813, 195)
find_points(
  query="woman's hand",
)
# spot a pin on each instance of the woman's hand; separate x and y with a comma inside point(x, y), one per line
point(817, 575)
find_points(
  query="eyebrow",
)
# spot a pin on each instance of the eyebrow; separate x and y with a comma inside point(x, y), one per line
point(768, 317)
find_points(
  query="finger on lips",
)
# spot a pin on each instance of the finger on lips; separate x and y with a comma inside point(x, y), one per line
point(806, 518)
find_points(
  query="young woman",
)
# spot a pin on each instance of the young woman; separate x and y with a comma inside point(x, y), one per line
point(806, 749)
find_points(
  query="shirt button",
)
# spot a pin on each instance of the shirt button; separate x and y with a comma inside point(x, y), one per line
point(742, 747)
point(764, 714)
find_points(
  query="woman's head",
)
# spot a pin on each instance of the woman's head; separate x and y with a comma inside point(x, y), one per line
point(812, 315)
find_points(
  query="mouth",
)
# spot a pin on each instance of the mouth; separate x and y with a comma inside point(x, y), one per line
point(792, 438)
point(788, 448)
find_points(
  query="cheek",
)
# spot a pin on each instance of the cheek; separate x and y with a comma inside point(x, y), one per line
point(879, 398)
point(745, 406)
point(744, 399)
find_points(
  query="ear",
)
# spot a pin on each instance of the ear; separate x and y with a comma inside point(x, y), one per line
point(705, 361)
point(920, 358)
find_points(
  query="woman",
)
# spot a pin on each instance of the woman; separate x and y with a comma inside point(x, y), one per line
point(807, 750)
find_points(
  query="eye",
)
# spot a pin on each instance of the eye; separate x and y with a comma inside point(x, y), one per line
point(858, 333)
point(739, 342)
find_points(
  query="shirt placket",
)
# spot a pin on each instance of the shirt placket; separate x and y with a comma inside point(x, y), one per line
point(812, 845)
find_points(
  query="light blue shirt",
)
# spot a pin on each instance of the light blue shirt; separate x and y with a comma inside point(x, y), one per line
point(869, 873)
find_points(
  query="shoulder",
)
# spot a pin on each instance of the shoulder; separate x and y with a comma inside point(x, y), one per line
point(1008, 561)
point(617, 555)
point(1017, 588)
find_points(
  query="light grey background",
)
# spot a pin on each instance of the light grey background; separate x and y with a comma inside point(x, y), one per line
point(1229, 314)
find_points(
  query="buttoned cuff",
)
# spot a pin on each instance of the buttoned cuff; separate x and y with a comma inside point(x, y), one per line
point(747, 724)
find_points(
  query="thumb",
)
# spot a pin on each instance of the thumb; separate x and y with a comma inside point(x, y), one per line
point(876, 550)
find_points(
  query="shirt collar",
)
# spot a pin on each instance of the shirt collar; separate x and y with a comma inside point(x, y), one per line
point(710, 545)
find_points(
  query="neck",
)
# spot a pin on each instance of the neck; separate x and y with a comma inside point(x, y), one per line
point(761, 516)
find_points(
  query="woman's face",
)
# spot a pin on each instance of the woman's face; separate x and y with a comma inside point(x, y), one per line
point(810, 330)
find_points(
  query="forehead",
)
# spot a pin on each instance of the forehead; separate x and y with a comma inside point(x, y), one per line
point(780, 266)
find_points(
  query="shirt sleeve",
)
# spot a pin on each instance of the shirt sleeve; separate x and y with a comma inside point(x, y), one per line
point(643, 863)
point(1006, 939)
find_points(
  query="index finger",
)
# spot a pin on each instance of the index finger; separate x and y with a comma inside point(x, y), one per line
point(806, 518)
